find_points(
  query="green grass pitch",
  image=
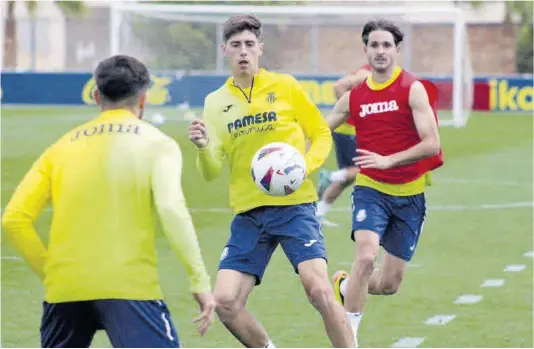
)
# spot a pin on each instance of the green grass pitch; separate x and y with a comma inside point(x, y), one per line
point(480, 220)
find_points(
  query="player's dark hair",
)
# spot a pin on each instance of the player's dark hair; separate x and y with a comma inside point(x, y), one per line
point(239, 23)
point(382, 24)
point(121, 78)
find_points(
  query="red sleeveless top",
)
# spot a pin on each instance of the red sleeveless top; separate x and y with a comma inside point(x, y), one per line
point(384, 125)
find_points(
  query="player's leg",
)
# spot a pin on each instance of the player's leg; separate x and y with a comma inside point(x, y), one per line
point(299, 234)
point(137, 324)
point(332, 184)
point(314, 276)
point(370, 219)
point(387, 278)
point(231, 293)
point(242, 266)
point(68, 325)
point(399, 243)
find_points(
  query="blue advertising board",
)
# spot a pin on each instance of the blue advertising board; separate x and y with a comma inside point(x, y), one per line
point(511, 95)
point(506, 94)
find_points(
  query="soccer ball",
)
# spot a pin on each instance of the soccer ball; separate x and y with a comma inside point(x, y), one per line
point(278, 169)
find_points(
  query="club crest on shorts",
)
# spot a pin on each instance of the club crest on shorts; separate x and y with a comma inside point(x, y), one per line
point(224, 253)
point(361, 215)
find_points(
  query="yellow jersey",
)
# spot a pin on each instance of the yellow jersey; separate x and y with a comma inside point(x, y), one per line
point(240, 121)
point(105, 179)
point(346, 129)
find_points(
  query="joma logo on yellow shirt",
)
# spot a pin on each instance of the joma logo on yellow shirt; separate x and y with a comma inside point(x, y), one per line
point(105, 128)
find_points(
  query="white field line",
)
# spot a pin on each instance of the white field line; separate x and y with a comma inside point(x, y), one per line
point(482, 182)
point(492, 283)
point(508, 205)
point(408, 342)
point(11, 258)
point(514, 268)
point(468, 299)
point(410, 265)
point(439, 319)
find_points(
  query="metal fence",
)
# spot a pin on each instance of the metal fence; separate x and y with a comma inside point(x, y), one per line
point(64, 44)
point(78, 43)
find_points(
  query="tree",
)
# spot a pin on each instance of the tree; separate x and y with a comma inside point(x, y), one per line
point(10, 40)
point(188, 45)
point(524, 41)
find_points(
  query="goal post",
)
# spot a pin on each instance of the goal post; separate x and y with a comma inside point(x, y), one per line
point(309, 41)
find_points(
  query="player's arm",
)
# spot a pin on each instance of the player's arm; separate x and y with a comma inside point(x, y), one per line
point(314, 126)
point(210, 159)
point(210, 155)
point(174, 216)
point(341, 112)
point(427, 128)
point(347, 82)
point(26, 204)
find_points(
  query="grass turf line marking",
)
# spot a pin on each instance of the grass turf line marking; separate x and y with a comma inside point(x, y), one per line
point(408, 342)
point(11, 258)
point(510, 205)
point(439, 319)
point(529, 254)
point(482, 181)
point(468, 299)
point(492, 283)
point(507, 205)
point(514, 268)
point(409, 265)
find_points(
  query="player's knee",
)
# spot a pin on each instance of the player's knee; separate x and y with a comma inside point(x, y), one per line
point(352, 172)
point(390, 284)
point(365, 263)
point(320, 295)
point(366, 253)
point(389, 288)
point(345, 184)
point(227, 305)
point(350, 176)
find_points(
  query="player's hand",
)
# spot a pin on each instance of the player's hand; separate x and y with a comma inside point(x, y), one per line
point(368, 159)
point(198, 133)
point(206, 301)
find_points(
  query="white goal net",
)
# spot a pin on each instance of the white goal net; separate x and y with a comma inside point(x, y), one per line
point(317, 44)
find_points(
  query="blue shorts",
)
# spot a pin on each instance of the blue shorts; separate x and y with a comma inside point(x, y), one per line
point(255, 234)
point(128, 323)
point(345, 149)
point(398, 220)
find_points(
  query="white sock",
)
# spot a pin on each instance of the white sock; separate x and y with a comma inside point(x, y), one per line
point(322, 208)
point(339, 176)
point(354, 320)
point(270, 344)
point(343, 287)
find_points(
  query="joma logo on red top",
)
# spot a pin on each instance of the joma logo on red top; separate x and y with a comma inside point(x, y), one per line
point(377, 108)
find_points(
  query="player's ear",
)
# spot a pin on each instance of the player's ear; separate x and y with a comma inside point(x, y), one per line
point(142, 100)
point(96, 96)
point(223, 49)
point(260, 45)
